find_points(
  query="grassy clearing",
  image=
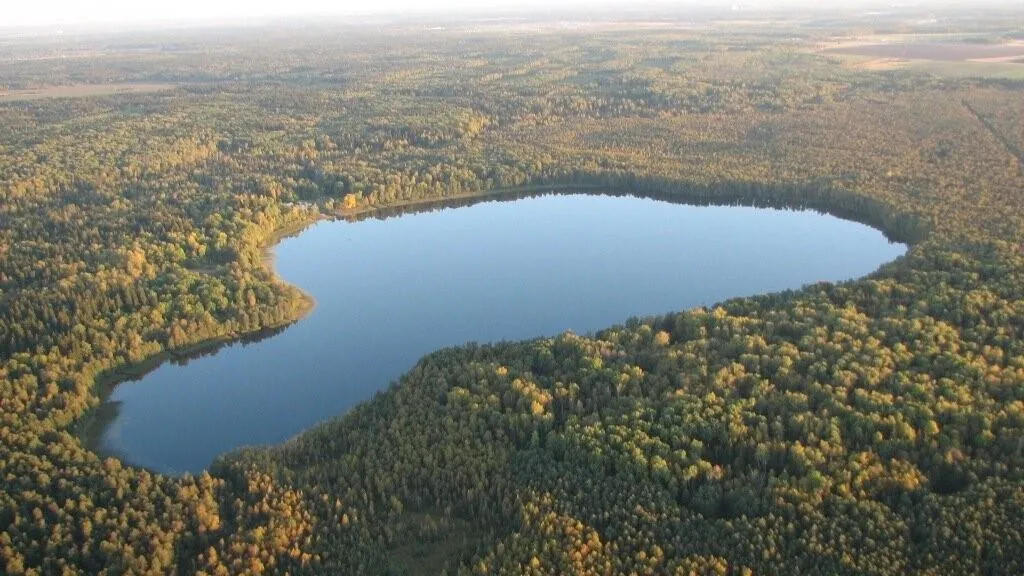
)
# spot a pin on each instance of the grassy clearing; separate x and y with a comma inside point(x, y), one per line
point(81, 91)
point(940, 68)
point(1000, 70)
point(936, 51)
point(931, 55)
point(432, 555)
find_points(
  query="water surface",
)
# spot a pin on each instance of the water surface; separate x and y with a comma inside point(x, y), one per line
point(391, 291)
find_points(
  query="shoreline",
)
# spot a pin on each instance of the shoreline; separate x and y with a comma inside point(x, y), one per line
point(368, 211)
point(91, 427)
point(93, 424)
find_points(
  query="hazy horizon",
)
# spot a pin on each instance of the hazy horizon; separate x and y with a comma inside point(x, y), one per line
point(69, 13)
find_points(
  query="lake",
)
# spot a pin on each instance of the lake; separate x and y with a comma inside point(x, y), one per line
point(390, 291)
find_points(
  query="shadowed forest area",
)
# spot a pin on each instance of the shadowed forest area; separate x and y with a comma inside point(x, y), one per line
point(874, 426)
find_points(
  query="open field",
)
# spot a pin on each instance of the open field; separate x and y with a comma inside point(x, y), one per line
point(970, 69)
point(941, 51)
point(81, 91)
point(944, 59)
point(882, 64)
point(941, 68)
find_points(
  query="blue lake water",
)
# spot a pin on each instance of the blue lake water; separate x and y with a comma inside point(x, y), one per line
point(390, 291)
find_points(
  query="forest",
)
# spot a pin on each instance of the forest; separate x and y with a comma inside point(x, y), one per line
point(869, 427)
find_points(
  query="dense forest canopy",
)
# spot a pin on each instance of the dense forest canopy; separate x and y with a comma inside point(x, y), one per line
point(875, 426)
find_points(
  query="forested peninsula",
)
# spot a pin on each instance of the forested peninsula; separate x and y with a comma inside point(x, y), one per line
point(869, 427)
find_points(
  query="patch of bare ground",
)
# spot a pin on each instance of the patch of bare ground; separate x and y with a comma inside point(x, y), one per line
point(1015, 59)
point(883, 64)
point(941, 51)
point(80, 91)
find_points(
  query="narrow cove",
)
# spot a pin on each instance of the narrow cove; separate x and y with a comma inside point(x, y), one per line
point(390, 291)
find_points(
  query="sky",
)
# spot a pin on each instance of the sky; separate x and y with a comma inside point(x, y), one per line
point(21, 13)
point(69, 12)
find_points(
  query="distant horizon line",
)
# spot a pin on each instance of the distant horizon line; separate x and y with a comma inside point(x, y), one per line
point(533, 9)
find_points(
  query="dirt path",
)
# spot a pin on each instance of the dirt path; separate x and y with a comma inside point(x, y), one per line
point(1007, 143)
